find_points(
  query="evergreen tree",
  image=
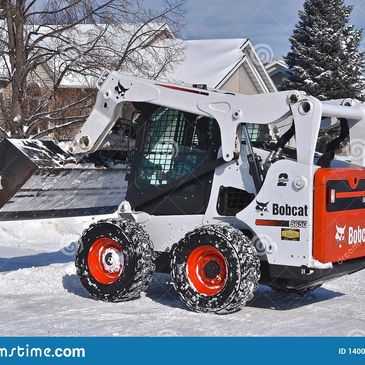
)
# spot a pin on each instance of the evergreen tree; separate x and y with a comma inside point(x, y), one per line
point(325, 60)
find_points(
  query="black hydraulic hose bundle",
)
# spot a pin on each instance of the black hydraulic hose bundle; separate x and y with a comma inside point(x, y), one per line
point(276, 154)
point(328, 156)
point(285, 138)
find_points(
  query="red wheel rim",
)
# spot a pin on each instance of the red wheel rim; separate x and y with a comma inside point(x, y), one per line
point(207, 270)
point(105, 260)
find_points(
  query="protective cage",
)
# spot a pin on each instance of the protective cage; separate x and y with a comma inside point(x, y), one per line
point(175, 157)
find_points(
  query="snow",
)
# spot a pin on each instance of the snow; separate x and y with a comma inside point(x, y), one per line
point(42, 296)
point(208, 61)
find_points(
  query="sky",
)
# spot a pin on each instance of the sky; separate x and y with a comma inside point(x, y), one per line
point(267, 23)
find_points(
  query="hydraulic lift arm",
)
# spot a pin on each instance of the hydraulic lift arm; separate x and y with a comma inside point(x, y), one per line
point(38, 180)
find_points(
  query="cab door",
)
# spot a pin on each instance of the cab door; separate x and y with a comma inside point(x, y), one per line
point(173, 148)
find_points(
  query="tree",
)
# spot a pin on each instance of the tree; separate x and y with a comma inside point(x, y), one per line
point(325, 60)
point(75, 40)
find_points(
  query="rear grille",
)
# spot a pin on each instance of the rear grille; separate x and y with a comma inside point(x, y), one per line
point(232, 200)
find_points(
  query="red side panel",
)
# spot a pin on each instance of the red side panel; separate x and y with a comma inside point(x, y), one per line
point(339, 214)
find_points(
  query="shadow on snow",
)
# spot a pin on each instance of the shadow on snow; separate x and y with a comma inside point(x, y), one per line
point(37, 260)
point(161, 289)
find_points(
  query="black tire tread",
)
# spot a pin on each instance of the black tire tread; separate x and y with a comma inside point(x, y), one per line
point(246, 257)
point(143, 247)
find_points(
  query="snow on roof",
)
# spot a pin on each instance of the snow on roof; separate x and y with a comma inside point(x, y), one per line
point(114, 43)
point(84, 33)
point(274, 65)
point(208, 61)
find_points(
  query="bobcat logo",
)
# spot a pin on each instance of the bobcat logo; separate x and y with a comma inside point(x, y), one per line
point(261, 207)
point(340, 234)
point(120, 89)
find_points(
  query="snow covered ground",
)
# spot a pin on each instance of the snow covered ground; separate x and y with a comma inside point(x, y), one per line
point(40, 295)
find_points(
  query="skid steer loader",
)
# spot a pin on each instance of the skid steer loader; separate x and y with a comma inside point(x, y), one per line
point(201, 191)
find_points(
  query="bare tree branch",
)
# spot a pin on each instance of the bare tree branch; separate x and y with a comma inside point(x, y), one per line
point(76, 122)
point(55, 43)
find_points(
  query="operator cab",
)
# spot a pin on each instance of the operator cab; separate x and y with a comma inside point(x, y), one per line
point(176, 154)
point(174, 160)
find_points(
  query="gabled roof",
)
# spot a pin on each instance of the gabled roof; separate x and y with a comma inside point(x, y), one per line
point(208, 61)
point(213, 61)
point(276, 66)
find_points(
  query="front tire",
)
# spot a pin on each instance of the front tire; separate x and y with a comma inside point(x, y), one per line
point(215, 269)
point(115, 260)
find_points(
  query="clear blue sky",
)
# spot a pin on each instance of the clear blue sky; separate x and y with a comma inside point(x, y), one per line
point(263, 21)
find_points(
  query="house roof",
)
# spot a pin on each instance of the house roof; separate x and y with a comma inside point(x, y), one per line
point(276, 66)
point(212, 62)
point(208, 61)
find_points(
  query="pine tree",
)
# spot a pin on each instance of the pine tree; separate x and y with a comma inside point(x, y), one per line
point(325, 60)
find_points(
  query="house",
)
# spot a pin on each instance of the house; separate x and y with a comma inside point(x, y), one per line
point(278, 70)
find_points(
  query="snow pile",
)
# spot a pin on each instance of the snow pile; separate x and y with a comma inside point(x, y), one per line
point(49, 235)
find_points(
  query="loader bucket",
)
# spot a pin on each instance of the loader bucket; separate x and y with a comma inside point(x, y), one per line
point(37, 181)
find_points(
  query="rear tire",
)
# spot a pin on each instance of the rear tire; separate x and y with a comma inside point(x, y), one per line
point(115, 260)
point(215, 269)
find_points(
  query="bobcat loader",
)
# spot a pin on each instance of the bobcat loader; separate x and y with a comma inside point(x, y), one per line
point(197, 191)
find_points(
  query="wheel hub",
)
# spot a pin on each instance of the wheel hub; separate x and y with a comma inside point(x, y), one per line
point(211, 270)
point(106, 260)
point(112, 260)
point(207, 270)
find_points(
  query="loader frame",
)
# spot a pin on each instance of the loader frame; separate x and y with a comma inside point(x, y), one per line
point(293, 202)
point(276, 189)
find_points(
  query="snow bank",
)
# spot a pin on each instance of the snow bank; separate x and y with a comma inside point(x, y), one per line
point(44, 235)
